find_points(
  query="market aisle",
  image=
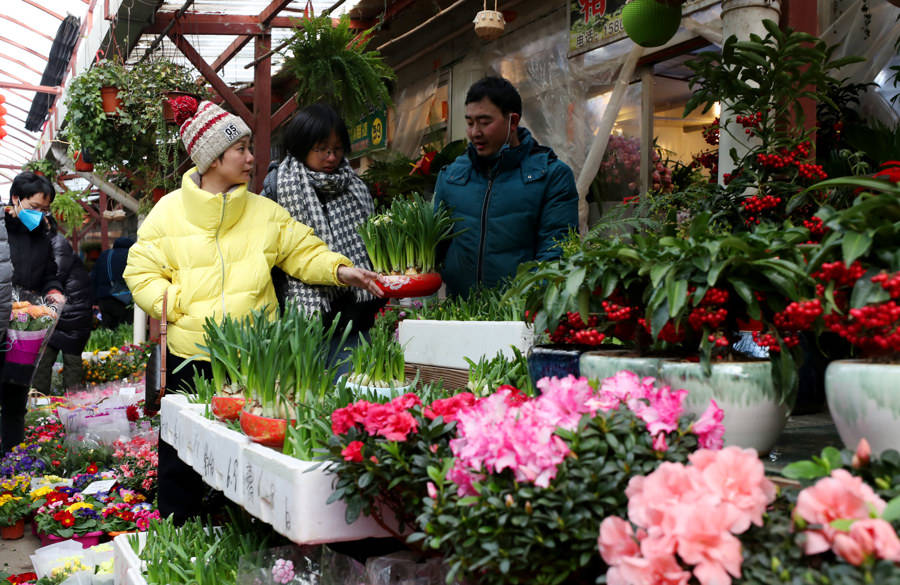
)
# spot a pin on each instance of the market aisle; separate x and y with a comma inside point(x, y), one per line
point(14, 554)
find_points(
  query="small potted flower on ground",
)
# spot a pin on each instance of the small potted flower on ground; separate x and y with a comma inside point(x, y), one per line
point(74, 517)
point(402, 244)
point(15, 506)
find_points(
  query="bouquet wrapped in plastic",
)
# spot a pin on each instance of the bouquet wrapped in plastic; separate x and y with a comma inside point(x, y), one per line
point(31, 323)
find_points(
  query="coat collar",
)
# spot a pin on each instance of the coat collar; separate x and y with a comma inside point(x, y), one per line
point(211, 211)
point(532, 160)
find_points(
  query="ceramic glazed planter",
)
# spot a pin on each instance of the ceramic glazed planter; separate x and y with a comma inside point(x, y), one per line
point(599, 365)
point(409, 285)
point(227, 407)
point(755, 413)
point(386, 392)
point(14, 532)
point(548, 361)
point(447, 344)
point(264, 430)
point(864, 401)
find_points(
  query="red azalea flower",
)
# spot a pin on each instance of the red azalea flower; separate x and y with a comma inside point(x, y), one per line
point(516, 397)
point(353, 452)
point(891, 171)
point(92, 469)
point(449, 407)
point(22, 578)
point(132, 413)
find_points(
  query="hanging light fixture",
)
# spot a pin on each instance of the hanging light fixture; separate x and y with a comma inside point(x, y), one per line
point(489, 24)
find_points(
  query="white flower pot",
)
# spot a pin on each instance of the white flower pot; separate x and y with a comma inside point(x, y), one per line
point(864, 400)
point(755, 413)
point(448, 343)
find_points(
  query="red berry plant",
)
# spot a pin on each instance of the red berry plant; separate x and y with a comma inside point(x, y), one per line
point(760, 83)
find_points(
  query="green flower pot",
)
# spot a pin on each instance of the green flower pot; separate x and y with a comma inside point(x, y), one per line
point(755, 413)
point(864, 400)
point(599, 365)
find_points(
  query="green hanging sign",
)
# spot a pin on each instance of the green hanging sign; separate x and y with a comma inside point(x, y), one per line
point(369, 134)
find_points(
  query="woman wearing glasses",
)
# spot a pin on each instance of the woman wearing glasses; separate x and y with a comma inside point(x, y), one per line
point(316, 185)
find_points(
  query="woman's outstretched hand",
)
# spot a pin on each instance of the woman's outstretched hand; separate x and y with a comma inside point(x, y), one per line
point(360, 278)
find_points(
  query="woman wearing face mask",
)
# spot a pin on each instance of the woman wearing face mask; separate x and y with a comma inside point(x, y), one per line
point(34, 269)
point(316, 185)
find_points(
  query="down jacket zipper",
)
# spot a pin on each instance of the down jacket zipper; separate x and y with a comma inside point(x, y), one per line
point(484, 211)
point(219, 249)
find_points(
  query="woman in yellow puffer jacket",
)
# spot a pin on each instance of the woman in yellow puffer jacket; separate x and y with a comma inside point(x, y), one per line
point(210, 247)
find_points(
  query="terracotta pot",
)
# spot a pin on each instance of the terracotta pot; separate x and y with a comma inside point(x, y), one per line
point(111, 101)
point(82, 165)
point(13, 532)
point(227, 407)
point(398, 286)
point(264, 430)
point(157, 193)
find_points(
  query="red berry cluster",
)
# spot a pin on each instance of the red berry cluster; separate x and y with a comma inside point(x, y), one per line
point(815, 226)
point(889, 282)
point(617, 312)
point(572, 329)
point(703, 316)
point(873, 328)
point(711, 133)
point(759, 204)
point(719, 340)
point(714, 296)
point(670, 332)
point(799, 315)
point(749, 122)
point(839, 273)
point(811, 172)
point(767, 340)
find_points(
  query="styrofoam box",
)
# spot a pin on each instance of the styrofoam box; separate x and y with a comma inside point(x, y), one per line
point(221, 457)
point(447, 343)
point(168, 414)
point(125, 559)
point(187, 418)
point(291, 496)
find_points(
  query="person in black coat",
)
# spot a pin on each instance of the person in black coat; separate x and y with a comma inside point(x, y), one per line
point(34, 269)
point(74, 327)
point(106, 272)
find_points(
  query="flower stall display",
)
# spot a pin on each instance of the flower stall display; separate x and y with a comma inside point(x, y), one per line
point(15, 506)
point(136, 465)
point(66, 514)
point(402, 245)
point(127, 362)
point(31, 323)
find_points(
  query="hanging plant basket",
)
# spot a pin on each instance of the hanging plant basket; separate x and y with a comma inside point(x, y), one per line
point(489, 24)
point(112, 103)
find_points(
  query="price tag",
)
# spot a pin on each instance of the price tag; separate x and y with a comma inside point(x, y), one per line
point(127, 391)
point(99, 487)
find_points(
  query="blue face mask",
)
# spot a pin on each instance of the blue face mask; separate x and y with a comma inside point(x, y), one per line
point(30, 218)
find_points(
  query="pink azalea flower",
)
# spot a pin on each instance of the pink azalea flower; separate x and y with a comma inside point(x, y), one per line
point(353, 452)
point(616, 540)
point(704, 540)
point(658, 570)
point(872, 537)
point(839, 496)
point(709, 428)
point(406, 401)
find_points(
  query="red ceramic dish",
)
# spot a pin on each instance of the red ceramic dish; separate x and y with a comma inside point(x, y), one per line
point(263, 430)
point(409, 285)
point(227, 407)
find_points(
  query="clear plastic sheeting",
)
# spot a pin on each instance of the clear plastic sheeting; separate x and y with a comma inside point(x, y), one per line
point(411, 109)
point(875, 39)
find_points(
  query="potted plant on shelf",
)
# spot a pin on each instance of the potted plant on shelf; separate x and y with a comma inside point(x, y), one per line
point(402, 245)
point(856, 272)
point(15, 507)
point(43, 167)
point(478, 325)
point(376, 365)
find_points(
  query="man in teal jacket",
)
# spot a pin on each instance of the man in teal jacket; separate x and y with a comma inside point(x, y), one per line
point(515, 198)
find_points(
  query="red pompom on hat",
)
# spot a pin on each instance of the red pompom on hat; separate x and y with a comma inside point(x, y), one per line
point(184, 106)
point(206, 129)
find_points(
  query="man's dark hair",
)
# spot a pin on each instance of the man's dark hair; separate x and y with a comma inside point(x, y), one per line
point(26, 184)
point(312, 125)
point(500, 91)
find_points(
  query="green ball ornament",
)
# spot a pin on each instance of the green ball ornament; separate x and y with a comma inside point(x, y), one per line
point(650, 23)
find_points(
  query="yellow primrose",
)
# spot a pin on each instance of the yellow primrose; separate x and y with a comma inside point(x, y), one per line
point(79, 505)
point(5, 498)
point(41, 492)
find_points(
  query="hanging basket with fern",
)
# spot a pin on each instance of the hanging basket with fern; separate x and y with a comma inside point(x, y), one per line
point(332, 65)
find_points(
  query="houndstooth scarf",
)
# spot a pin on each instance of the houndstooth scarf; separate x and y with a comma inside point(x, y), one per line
point(333, 205)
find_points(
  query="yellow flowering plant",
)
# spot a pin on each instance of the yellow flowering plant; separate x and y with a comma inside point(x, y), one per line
point(14, 501)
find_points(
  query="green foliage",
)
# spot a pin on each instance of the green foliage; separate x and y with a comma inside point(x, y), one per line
point(515, 533)
point(480, 304)
point(377, 360)
point(331, 64)
point(404, 239)
point(188, 554)
point(396, 174)
point(488, 374)
point(68, 210)
point(103, 339)
point(44, 167)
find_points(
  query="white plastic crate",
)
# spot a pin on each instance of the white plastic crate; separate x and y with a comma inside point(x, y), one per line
point(448, 343)
point(125, 559)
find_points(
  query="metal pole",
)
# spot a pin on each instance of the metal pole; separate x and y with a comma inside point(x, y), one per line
point(165, 31)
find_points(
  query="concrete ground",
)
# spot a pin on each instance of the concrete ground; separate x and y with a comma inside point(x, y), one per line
point(14, 553)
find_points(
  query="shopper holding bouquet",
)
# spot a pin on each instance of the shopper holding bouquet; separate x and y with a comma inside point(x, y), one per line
point(34, 269)
point(209, 248)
